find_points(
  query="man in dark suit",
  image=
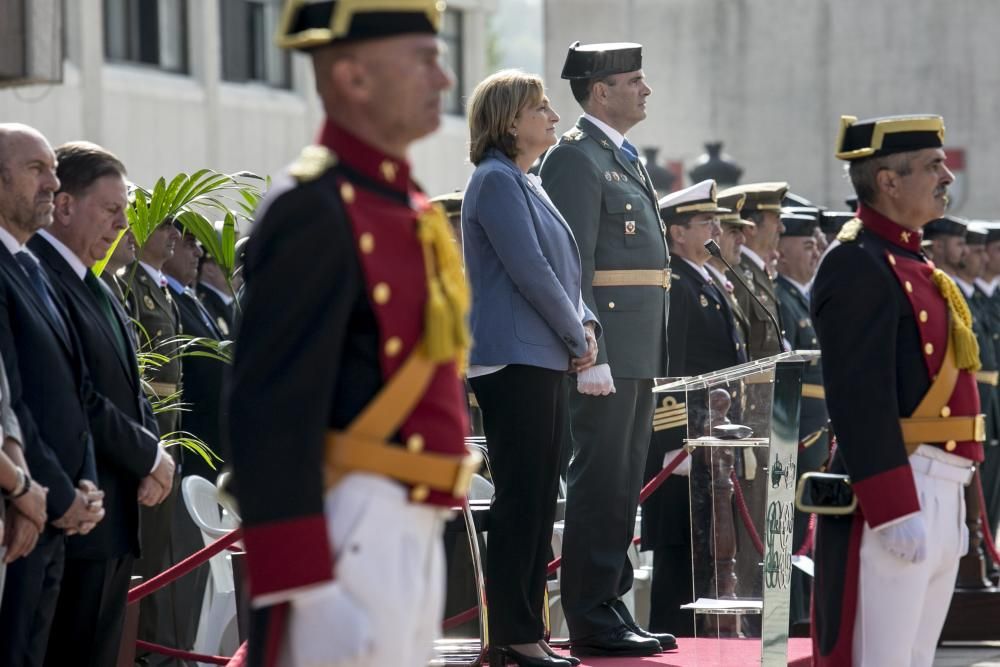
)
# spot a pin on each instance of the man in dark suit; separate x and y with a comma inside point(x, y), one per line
point(762, 207)
point(597, 182)
point(89, 214)
point(216, 295)
point(703, 337)
point(50, 393)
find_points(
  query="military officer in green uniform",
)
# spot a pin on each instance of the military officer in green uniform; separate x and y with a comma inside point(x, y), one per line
point(730, 245)
point(763, 208)
point(987, 284)
point(798, 259)
point(159, 321)
point(595, 178)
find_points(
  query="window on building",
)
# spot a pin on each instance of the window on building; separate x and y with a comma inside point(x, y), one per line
point(453, 36)
point(150, 32)
point(248, 50)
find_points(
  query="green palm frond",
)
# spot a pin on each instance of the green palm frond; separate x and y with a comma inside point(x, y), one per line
point(192, 443)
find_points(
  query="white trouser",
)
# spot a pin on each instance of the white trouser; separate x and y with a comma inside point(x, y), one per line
point(390, 559)
point(901, 605)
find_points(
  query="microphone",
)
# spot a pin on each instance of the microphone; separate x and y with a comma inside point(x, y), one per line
point(715, 251)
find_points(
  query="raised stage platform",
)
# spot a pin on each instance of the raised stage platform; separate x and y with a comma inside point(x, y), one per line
point(709, 653)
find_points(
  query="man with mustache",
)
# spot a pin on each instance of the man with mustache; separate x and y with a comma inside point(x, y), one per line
point(597, 182)
point(89, 214)
point(51, 394)
point(899, 363)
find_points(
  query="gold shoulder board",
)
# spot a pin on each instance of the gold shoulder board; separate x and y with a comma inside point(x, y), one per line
point(312, 163)
point(849, 232)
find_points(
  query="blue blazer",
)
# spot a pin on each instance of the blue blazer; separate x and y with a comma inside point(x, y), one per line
point(523, 264)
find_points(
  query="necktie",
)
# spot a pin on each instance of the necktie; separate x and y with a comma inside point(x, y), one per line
point(631, 151)
point(42, 288)
point(104, 303)
point(203, 312)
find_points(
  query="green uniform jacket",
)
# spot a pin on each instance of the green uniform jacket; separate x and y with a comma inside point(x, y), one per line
point(611, 206)
point(984, 324)
point(763, 341)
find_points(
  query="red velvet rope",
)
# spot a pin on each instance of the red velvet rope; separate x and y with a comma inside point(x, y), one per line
point(180, 569)
point(741, 503)
point(991, 548)
point(183, 655)
point(646, 491)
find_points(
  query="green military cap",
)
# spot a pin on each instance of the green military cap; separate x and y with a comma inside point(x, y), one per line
point(760, 196)
point(451, 202)
point(678, 206)
point(308, 24)
point(946, 226)
point(876, 137)
point(734, 202)
point(798, 224)
point(831, 221)
point(590, 61)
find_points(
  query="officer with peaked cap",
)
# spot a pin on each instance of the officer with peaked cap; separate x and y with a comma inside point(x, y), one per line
point(347, 416)
point(731, 248)
point(899, 362)
point(763, 208)
point(595, 178)
point(703, 336)
point(798, 258)
point(987, 284)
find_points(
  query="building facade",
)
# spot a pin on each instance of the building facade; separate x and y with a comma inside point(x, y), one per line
point(770, 78)
point(177, 85)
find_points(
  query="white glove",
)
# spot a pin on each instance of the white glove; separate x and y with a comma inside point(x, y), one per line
point(595, 381)
point(327, 626)
point(906, 539)
point(683, 468)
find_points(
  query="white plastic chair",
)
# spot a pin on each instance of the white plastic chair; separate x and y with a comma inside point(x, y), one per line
point(217, 626)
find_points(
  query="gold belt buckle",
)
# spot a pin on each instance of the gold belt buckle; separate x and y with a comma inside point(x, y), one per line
point(666, 279)
point(980, 428)
point(463, 477)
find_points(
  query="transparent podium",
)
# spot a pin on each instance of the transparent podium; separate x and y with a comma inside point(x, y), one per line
point(742, 436)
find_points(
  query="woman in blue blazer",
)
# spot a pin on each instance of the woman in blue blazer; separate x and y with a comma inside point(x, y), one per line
point(529, 328)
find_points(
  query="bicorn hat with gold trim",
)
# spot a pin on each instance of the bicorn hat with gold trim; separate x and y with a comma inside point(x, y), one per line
point(877, 137)
point(678, 206)
point(308, 24)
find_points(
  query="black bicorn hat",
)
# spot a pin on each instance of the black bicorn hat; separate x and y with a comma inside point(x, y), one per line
point(798, 224)
point(946, 226)
point(876, 137)
point(308, 24)
point(832, 221)
point(591, 61)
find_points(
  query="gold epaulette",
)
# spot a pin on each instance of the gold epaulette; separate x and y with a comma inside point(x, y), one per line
point(576, 134)
point(849, 232)
point(312, 163)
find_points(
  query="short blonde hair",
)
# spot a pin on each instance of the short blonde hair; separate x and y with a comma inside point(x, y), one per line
point(494, 105)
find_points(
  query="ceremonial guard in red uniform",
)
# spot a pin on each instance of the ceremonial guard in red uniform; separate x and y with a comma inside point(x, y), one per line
point(347, 412)
point(899, 362)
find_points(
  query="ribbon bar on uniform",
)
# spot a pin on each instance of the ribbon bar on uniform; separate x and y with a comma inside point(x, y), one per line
point(633, 278)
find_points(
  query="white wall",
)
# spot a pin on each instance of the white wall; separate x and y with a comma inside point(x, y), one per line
point(160, 123)
point(771, 78)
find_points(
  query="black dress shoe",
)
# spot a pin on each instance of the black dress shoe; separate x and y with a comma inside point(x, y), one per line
point(501, 655)
point(667, 641)
point(568, 658)
point(619, 641)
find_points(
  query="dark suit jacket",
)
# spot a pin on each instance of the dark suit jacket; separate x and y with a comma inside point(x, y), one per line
point(48, 388)
point(121, 420)
point(223, 316)
point(202, 386)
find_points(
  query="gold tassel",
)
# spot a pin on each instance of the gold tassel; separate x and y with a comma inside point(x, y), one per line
point(446, 334)
point(966, 345)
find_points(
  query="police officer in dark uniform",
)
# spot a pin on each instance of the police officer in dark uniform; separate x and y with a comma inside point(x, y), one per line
point(899, 357)
point(798, 258)
point(763, 208)
point(595, 178)
point(703, 337)
point(347, 416)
